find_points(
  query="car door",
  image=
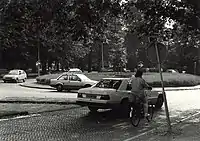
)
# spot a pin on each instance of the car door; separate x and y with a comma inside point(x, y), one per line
point(64, 80)
point(75, 82)
point(122, 92)
point(127, 87)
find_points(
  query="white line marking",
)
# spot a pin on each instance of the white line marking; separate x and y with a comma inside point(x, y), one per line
point(20, 117)
point(152, 130)
point(135, 137)
point(184, 119)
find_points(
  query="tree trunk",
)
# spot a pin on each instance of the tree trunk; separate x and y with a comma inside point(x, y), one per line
point(44, 71)
point(99, 59)
point(57, 66)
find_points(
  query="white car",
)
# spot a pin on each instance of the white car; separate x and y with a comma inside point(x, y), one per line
point(171, 71)
point(71, 81)
point(15, 75)
point(75, 70)
point(111, 93)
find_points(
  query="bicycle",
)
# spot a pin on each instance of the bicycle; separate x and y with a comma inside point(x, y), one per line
point(137, 112)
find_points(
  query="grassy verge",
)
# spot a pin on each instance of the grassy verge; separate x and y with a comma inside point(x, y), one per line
point(170, 79)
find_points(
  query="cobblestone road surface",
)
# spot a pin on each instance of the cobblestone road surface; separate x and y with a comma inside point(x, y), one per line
point(69, 125)
point(76, 124)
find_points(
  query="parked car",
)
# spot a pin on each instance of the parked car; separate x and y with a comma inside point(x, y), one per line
point(15, 75)
point(172, 71)
point(75, 70)
point(71, 81)
point(111, 93)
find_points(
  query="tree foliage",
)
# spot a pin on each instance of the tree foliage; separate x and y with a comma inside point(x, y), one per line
point(69, 32)
point(175, 23)
point(63, 31)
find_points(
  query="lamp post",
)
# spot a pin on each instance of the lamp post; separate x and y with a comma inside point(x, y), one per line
point(102, 62)
point(38, 61)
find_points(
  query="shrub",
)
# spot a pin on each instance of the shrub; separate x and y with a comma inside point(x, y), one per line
point(170, 79)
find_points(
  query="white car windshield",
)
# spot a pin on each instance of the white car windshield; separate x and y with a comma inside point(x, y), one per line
point(13, 72)
point(83, 77)
point(111, 84)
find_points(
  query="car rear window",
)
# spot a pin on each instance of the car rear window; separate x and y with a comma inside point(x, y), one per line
point(112, 84)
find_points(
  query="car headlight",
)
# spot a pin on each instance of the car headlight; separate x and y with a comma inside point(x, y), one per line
point(80, 95)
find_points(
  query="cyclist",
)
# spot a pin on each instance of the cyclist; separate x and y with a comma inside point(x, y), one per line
point(138, 85)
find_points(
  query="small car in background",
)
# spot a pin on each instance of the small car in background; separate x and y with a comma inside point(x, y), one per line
point(75, 70)
point(15, 75)
point(112, 93)
point(172, 71)
point(71, 81)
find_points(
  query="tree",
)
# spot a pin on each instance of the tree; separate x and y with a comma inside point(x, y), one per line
point(59, 29)
point(174, 23)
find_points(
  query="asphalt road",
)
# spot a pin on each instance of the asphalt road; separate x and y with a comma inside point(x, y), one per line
point(14, 90)
point(79, 124)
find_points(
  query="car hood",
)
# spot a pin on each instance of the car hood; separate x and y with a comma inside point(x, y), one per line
point(9, 75)
point(89, 80)
point(94, 90)
point(93, 81)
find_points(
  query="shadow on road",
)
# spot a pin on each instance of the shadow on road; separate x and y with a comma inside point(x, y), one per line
point(111, 117)
point(65, 91)
point(108, 117)
point(9, 82)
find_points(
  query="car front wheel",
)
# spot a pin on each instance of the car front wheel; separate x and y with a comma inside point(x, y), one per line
point(59, 88)
point(93, 109)
point(159, 102)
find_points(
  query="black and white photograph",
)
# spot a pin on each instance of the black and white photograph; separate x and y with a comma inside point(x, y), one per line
point(99, 70)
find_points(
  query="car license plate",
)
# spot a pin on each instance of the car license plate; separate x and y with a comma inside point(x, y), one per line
point(91, 96)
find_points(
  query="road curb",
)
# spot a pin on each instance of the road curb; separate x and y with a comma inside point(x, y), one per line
point(183, 89)
point(37, 87)
point(166, 89)
point(39, 102)
point(153, 130)
point(14, 113)
point(25, 112)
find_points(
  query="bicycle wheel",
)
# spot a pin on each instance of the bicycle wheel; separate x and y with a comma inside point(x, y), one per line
point(134, 117)
point(151, 112)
